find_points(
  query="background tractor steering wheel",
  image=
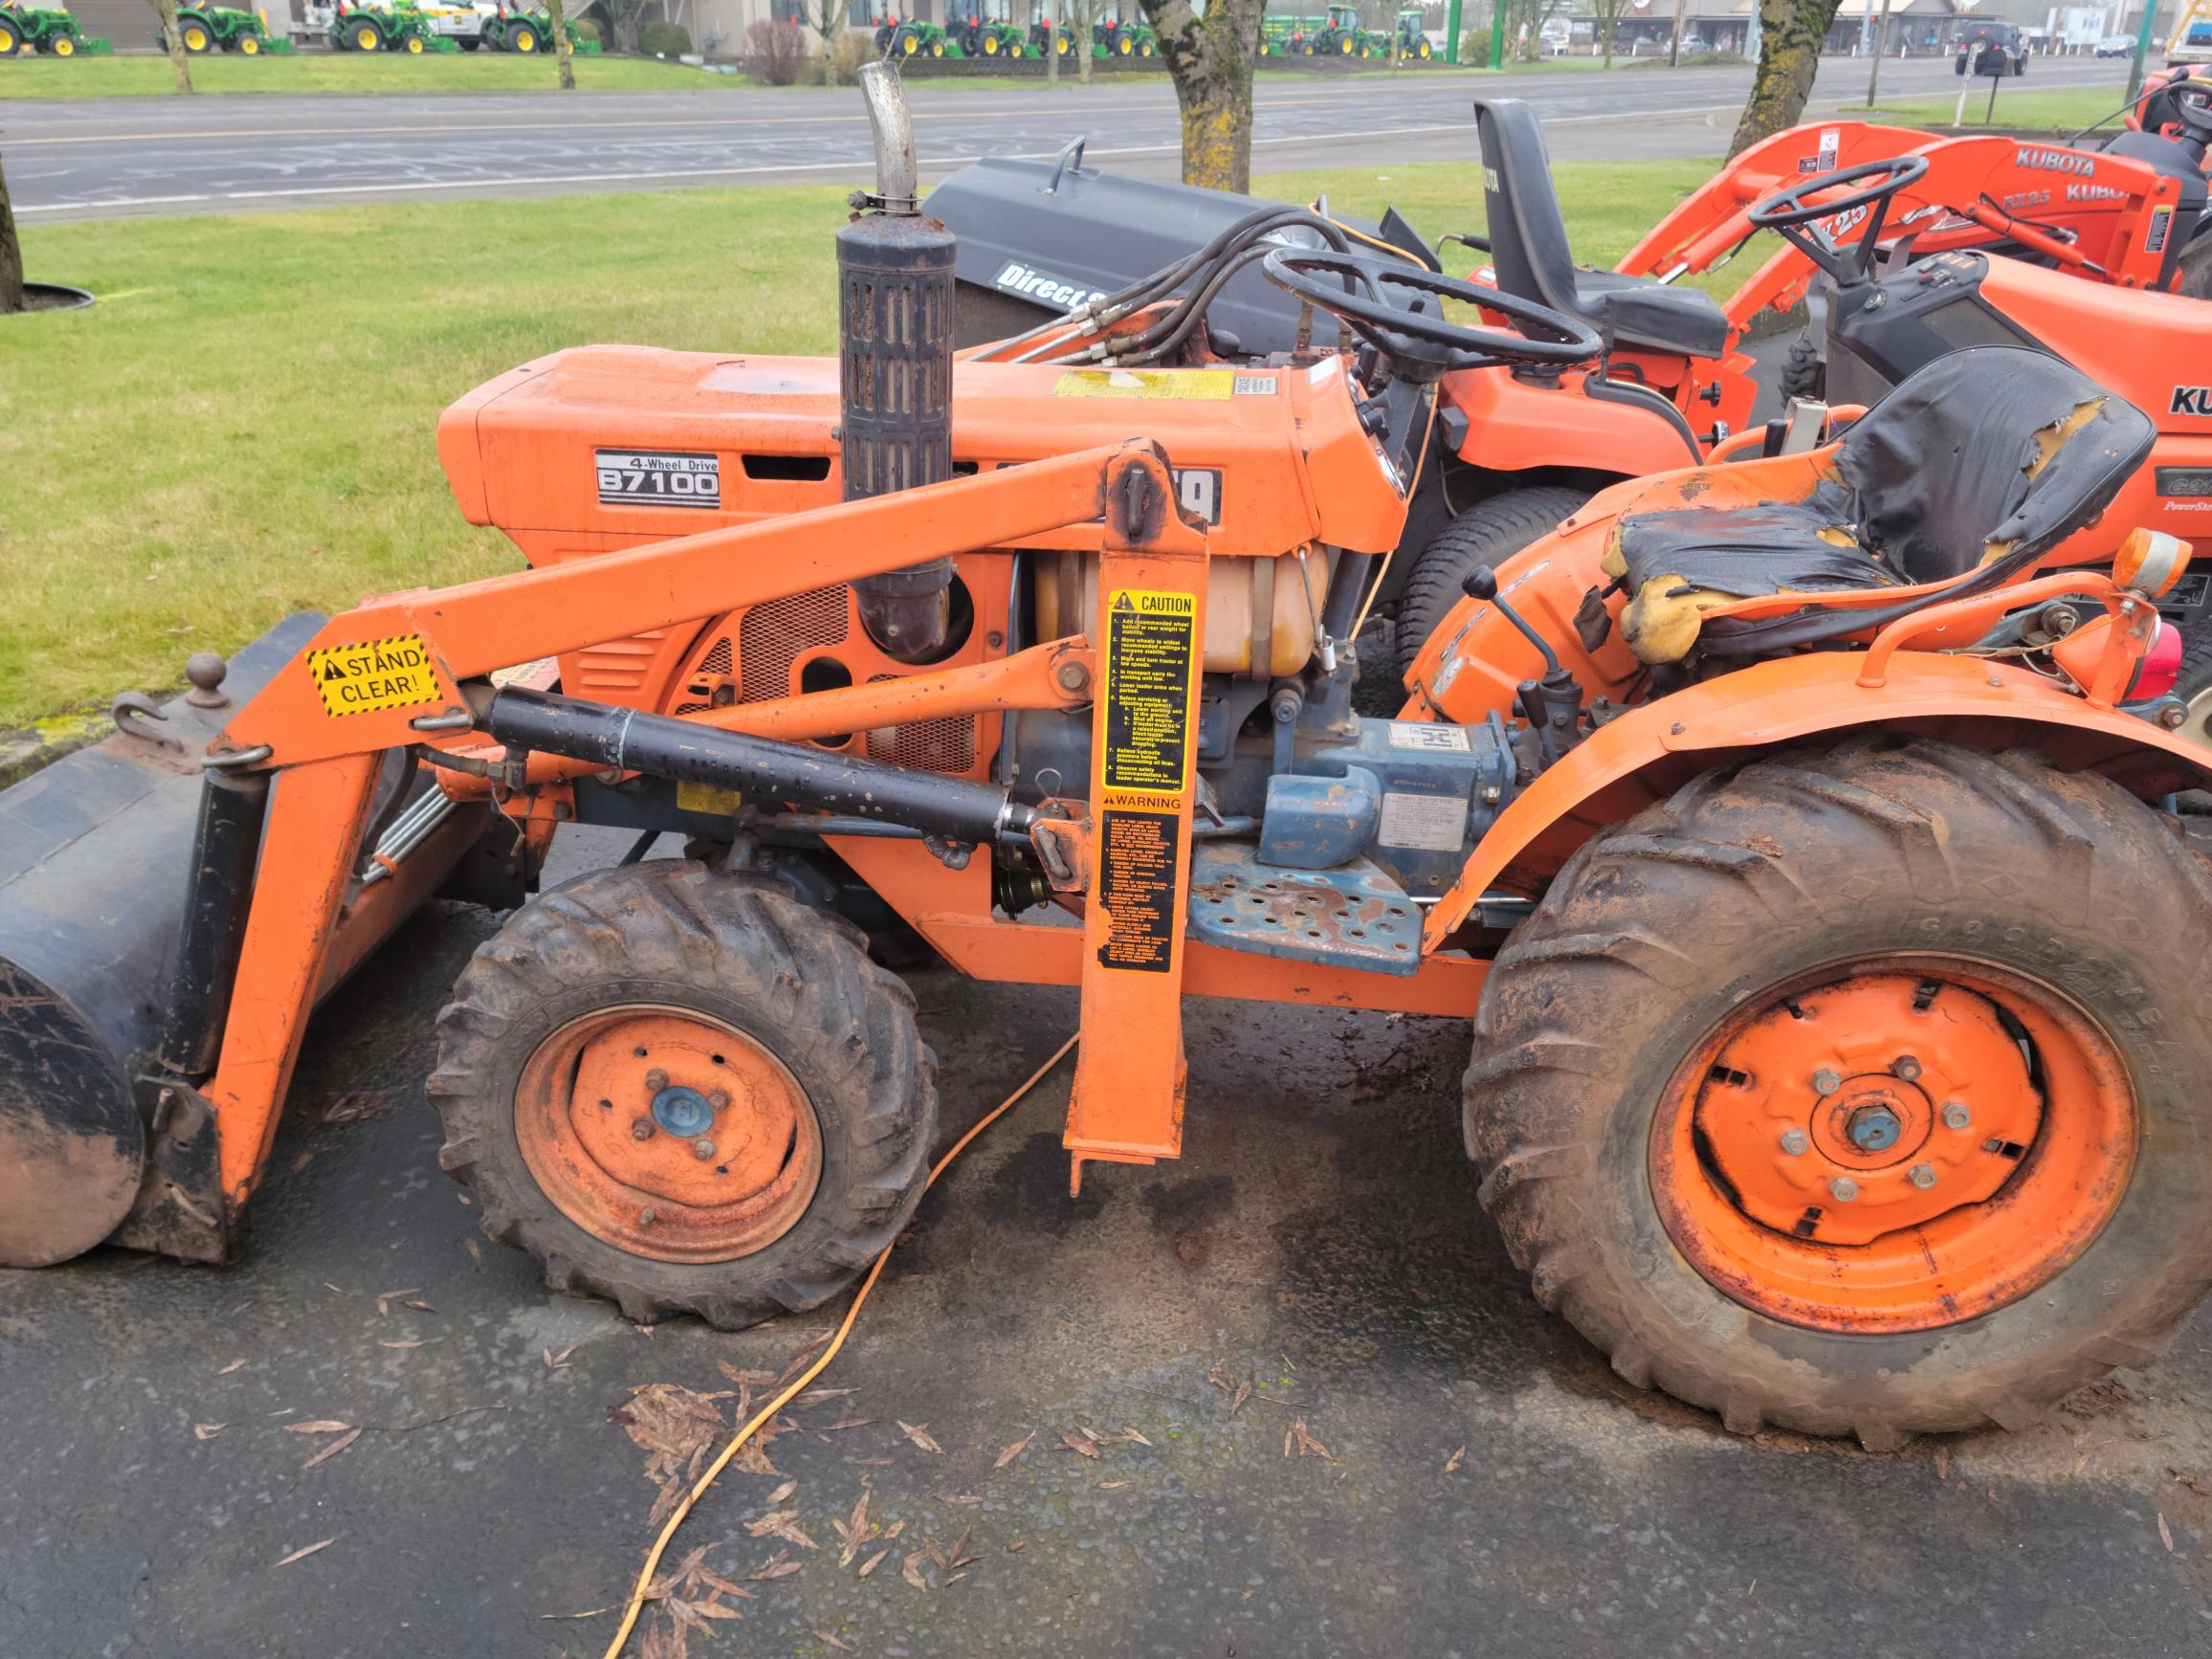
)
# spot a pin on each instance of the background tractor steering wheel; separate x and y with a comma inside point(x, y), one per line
point(1798, 221)
point(1374, 298)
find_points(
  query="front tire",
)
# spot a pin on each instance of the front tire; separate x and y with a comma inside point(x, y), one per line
point(1488, 533)
point(1648, 1039)
point(616, 1026)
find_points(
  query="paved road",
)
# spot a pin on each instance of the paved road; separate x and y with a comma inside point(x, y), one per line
point(110, 157)
point(1322, 1237)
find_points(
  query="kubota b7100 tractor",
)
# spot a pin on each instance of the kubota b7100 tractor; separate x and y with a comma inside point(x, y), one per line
point(1835, 968)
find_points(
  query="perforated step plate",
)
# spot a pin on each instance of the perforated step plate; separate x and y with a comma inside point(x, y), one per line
point(1353, 916)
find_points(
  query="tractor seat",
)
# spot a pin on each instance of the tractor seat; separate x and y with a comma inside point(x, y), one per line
point(1986, 456)
point(1528, 249)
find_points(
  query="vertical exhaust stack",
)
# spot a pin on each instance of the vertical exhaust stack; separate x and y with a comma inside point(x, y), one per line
point(894, 298)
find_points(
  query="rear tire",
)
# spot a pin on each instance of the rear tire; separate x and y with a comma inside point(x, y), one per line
point(677, 939)
point(1750, 885)
point(1488, 533)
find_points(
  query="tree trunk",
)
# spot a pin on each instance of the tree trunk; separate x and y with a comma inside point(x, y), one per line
point(1211, 60)
point(563, 58)
point(179, 64)
point(1086, 27)
point(10, 254)
point(1790, 35)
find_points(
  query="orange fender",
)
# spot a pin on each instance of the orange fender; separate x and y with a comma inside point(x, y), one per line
point(1513, 426)
point(1646, 754)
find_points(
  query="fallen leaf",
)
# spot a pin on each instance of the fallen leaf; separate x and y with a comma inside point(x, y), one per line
point(1015, 1450)
point(1307, 1445)
point(869, 1461)
point(783, 1492)
point(303, 1555)
point(1244, 1392)
point(779, 1565)
point(1454, 1460)
point(874, 1562)
point(555, 1361)
point(919, 1433)
point(824, 1636)
point(2195, 1483)
point(1129, 1433)
point(386, 1298)
point(1110, 1485)
point(815, 1396)
point(910, 1572)
point(320, 1425)
point(476, 1254)
point(678, 1431)
point(589, 1613)
point(356, 1104)
point(1077, 1443)
point(233, 1365)
point(1218, 1375)
point(208, 1430)
point(854, 1532)
point(782, 1523)
point(333, 1449)
point(829, 1429)
point(892, 1531)
point(954, 1579)
point(416, 1343)
point(711, 1609)
point(1943, 1463)
point(722, 1587)
point(421, 1307)
point(1017, 1546)
point(803, 1357)
point(958, 1497)
point(746, 1378)
point(2165, 1533)
point(954, 1556)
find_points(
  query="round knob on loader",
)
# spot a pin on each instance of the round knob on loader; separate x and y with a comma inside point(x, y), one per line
point(1480, 583)
point(206, 670)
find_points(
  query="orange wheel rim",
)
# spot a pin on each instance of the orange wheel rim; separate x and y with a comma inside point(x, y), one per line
point(1893, 1146)
point(667, 1133)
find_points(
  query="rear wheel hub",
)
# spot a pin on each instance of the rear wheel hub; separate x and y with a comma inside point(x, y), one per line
point(1897, 1148)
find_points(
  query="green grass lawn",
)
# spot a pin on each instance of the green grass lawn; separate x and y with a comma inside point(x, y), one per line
point(318, 71)
point(2067, 110)
point(243, 426)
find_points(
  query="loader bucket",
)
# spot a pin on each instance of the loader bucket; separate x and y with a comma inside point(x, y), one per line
point(96, 854)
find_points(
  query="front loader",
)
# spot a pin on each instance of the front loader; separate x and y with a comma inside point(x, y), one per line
point(1833, 965)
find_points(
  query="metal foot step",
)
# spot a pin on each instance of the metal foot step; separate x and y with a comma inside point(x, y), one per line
point(1352, 917)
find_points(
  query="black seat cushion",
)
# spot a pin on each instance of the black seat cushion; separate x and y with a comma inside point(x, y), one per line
point(1984, 459)
point(1528, 248)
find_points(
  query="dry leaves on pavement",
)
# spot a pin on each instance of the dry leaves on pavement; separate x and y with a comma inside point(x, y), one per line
point(1081, 1444)
point(678, 1429)
point(1015, 1450)
point(919, 1433)
point(1304, 1443)
point(333, 1449)
point(303, 1555)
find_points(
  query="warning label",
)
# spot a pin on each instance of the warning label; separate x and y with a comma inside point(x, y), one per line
point(382, 674)
point(1208, 385)
point(1137, 887)
point(1151, 644)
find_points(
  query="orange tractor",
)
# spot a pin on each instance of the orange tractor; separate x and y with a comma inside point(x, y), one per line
point(1833, 959)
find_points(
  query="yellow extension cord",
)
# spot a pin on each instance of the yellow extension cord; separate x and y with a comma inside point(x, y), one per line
point(652, 1559)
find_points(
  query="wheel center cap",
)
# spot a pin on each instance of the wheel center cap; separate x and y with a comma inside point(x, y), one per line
point(682, 1111)
point(1874, 1128)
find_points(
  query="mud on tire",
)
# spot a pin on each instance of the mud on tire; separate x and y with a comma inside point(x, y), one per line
point(795, 981)
point(1661, 928)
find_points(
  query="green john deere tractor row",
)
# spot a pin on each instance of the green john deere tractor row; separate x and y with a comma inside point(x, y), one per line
point(980, 34)
point(204, 29)
point(1340, 34)
point(50, 31)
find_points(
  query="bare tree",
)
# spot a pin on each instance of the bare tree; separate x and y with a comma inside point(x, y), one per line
point(1524, 26)
point(10, 254)
point(1212, 58)
point(625, 16)
point(1608, 14)
point(564, 56)
point(827, 16)
point(166, 12)
point(1790, 33)
point(1080, 19)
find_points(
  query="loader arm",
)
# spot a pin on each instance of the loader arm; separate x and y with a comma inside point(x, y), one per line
point(405, 658)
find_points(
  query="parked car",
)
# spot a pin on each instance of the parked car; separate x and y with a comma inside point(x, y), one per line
point(1991, 49)
point(2116, 46)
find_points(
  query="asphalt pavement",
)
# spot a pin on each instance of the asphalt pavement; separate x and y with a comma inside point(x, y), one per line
point(1470, 1478)
point(111, 157)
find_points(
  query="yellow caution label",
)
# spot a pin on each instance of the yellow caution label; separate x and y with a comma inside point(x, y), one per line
point(380, 673)
point(1212, 385)
point(1150, 649)
point(707, 797)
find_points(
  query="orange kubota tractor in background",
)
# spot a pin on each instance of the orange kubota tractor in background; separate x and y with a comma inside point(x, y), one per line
point(1870, 208)
point(1834, 964)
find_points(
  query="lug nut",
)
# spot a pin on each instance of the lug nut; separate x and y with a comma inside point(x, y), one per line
point(719, 1100)
point(1956, 1116)
point(1922, 1176)
point(1793, 1143)
point(656, 1080)
point(1826, 1081)
point(641, 1129)
point(1843, 1189)
point(1906, 1067)
point(702, 1149)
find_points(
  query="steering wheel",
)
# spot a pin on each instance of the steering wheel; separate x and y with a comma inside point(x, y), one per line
point(2190, 98)
point(1788, 213)
point(1374, 298)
